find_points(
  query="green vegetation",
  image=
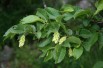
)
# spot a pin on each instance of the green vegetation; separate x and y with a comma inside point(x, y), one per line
point(67, 37)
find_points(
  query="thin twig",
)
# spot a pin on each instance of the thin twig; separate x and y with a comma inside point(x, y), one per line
point(44, 4)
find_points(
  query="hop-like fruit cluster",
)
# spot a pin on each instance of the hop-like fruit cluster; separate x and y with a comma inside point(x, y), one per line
point(62, 40)
point(22, 41)
point(56, 37)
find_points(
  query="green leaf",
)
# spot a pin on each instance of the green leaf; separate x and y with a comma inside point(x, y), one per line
point(77, 52)
point(84, 33)
point(10, 35)
point(49, 56)
point(99, 6)
point(81, 12)
point(59, 21)
point(62, 55)
point(45, 42)
point(16, 29)
point(31, 19)
point(38, 34)
point(100, 40)
point(12, 30)
point(45, 50)
point(43, 54)
point(75, 40)
point(29, 29)
point(86, 22)
point(8, 32)
point(44, 34)
point(52, 27)
point(42, 13)
point(91, 41)
point(95, 27)
point(67, 8)
point(98, 64)
point(52, 13)
point(66, 44)
point(56, 52)
point(59, 56)
point(68, 16)
point(39, 26)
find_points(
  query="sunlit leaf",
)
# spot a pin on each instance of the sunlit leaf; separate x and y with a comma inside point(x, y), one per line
point(99, 6)
point(67, 8)
point(52, 13)
point(31, 19)
point(19, 29)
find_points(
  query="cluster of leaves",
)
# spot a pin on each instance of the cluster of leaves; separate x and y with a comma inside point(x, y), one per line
point(70, 30)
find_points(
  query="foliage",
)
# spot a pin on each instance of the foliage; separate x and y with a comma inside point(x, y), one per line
point(99, 5)
point(70, 30)
point(98, 64)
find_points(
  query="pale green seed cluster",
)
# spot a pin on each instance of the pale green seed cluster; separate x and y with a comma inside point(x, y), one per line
point(22, 41)
point(56, 37)
point(62, 40)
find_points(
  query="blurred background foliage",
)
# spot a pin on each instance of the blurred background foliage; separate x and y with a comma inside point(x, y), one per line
point(11, 56)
